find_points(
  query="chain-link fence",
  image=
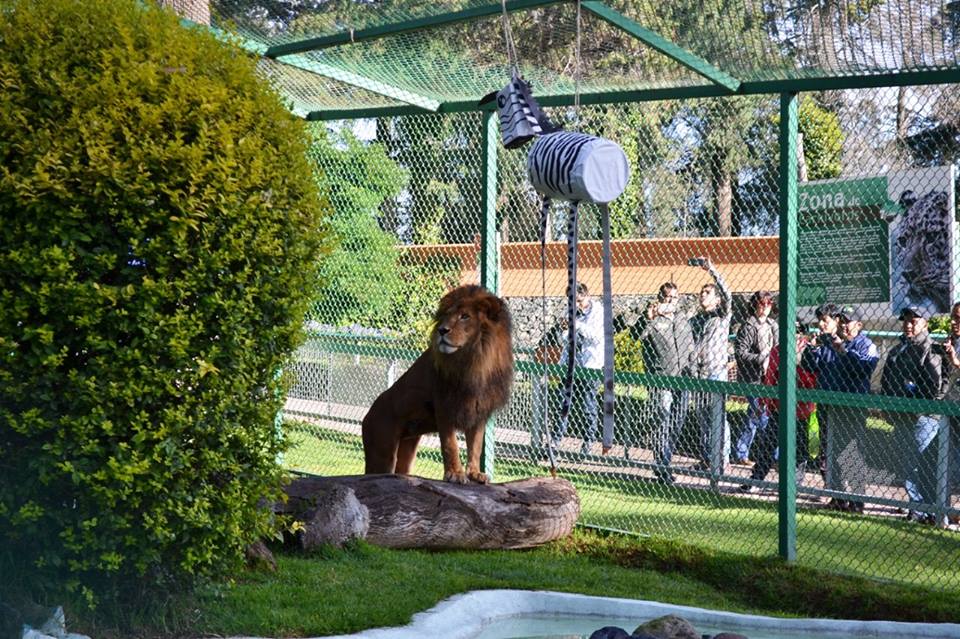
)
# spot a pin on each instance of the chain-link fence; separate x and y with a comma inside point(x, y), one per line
point(696, 277)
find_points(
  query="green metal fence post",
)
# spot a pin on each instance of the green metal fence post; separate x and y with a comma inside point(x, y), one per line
point(489, 253)
point(787, 384)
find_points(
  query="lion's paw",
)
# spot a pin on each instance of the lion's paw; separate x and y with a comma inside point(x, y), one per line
point(480, 478)
point(455, 477)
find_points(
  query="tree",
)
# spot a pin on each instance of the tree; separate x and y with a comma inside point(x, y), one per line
point(822, 139)
point(756, 204)
point(359, 278)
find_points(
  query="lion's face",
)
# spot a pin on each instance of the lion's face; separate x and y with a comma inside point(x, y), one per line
point(456, 329)
point(464, 316)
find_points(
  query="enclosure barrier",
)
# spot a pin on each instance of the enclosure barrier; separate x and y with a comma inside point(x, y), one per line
point(345, 365)
point(809, 150)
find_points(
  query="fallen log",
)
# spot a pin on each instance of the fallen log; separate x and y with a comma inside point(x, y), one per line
point(413, 512)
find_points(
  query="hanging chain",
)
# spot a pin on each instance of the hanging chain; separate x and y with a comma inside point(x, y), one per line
point(545, 430)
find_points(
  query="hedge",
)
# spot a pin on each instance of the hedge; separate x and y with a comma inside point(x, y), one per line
point(158, 248)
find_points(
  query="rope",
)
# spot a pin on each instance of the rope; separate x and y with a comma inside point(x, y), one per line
point(544, 379)
point(577, 73)
point(508, 37)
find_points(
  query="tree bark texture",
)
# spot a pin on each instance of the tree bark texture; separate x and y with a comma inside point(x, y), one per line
point(196, 10)
point(724, 195)
point(413, 512)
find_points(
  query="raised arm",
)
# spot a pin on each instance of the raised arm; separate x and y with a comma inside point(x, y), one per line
point(725, 307)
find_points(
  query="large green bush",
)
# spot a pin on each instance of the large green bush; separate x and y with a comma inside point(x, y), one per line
point(157, 249)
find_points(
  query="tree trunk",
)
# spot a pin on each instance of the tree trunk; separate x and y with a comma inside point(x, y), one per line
point(801, 160)
point(194, 10)
point(412, 512)
point(902, 117)
point(724, 204)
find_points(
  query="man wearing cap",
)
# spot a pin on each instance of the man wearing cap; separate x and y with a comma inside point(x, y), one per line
point(843, 361)
point(913, 369)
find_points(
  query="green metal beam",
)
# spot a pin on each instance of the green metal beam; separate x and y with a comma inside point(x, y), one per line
point(787, 381)
point(766, 87)
point(363, 345)
point(866, 81)
point(304, 63)
point(670, 49)
point(853, 400)
point(370, 112)
point(382, 31)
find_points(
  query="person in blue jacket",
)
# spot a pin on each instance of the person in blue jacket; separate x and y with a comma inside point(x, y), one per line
point(843, 361)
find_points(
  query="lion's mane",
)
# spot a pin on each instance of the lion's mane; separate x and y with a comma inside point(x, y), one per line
point(446, 391)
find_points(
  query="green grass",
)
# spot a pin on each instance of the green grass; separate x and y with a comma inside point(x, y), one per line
point(726, 560)
point(346, 591)
point(886, 548)
point(339, 591)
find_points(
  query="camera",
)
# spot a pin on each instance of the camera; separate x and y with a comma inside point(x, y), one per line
point(697, 261)
point(938, 349)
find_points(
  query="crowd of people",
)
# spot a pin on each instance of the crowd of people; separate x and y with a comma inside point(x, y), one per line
point(839, 356)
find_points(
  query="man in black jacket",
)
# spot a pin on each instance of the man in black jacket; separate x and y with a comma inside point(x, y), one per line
point(667, 350)
point(914, 369)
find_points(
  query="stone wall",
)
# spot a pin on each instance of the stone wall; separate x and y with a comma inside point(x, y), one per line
point(527, 313)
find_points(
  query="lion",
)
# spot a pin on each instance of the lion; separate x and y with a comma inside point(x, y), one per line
point(464, 375)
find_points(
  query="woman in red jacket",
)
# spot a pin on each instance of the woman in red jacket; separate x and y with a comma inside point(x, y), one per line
point(766, 453)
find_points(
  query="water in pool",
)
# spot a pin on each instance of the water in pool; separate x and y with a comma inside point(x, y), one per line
point(580, 627)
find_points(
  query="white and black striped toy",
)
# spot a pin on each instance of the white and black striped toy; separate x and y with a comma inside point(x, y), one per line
point(581, 168)
point(577, 167)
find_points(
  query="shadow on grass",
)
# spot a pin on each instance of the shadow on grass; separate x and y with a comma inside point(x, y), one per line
point(773, 584)
point(876, 547)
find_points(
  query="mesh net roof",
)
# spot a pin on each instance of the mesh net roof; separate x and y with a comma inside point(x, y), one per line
point(351, 54)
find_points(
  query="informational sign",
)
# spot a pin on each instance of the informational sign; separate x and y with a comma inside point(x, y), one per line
point(881, 243)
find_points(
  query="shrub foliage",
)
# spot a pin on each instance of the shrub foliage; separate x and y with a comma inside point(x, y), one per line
point(157, 250)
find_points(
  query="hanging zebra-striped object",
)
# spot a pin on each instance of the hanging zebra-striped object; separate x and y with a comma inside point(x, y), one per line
point(521, 118)
point(578, 167)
